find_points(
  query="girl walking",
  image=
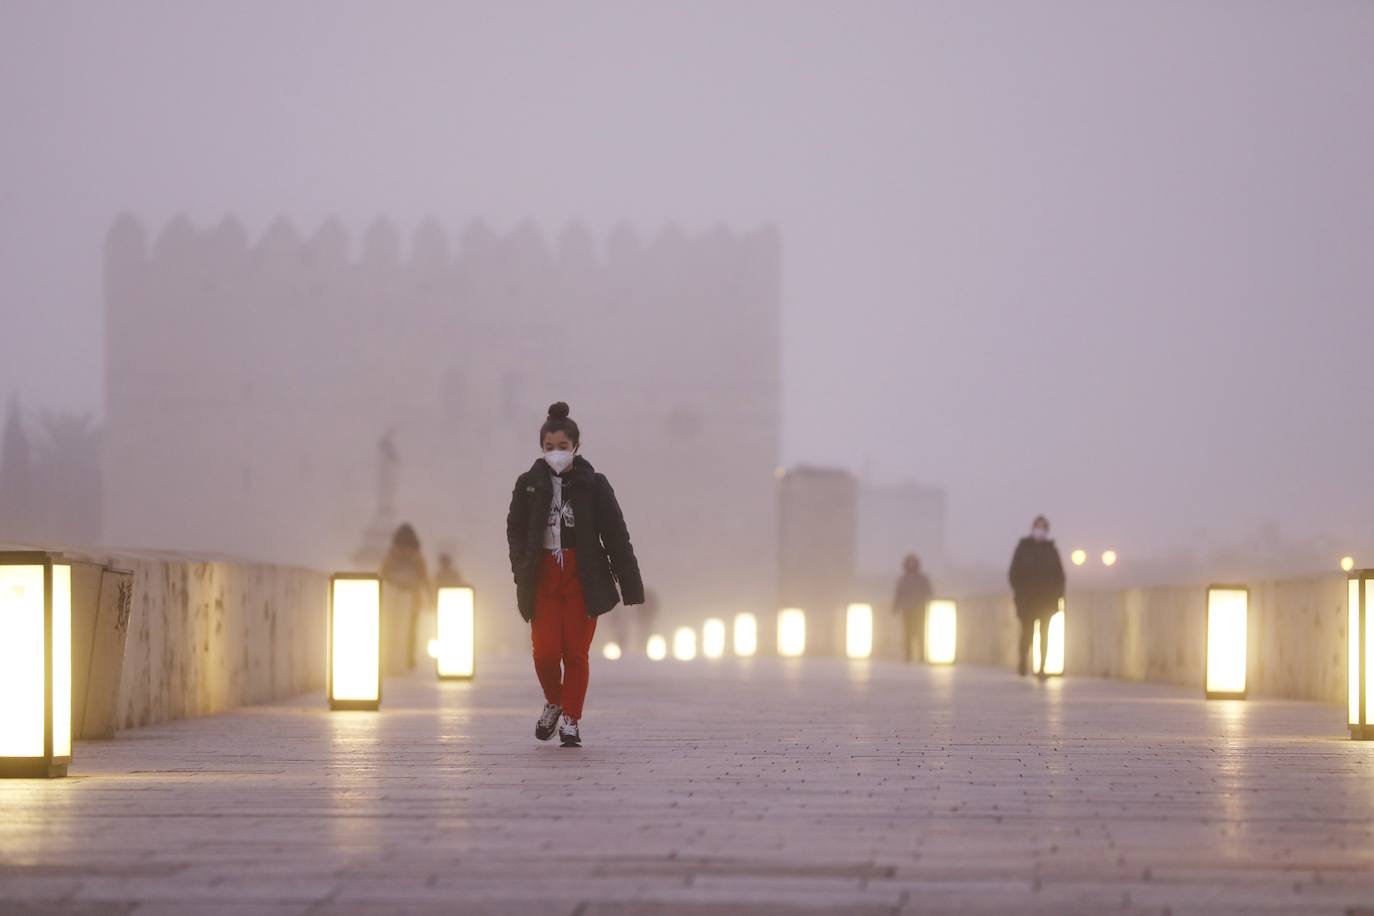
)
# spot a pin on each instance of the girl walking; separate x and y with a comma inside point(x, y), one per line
point(569, 548)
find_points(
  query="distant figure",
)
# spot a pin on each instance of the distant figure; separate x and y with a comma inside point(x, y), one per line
point(404, 567)
point(913, 594)
point(447, 574)
point(1037, 584)
point(569, 550)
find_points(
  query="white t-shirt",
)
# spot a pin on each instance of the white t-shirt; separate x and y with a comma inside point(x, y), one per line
point(560, 517)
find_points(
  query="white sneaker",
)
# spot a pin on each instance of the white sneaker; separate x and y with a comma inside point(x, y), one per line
point(568, 733)
point(548, 721)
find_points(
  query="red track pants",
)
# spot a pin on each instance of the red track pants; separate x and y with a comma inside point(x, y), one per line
point(561, 633)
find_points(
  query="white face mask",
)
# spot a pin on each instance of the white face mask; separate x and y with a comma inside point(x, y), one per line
point(559, 459)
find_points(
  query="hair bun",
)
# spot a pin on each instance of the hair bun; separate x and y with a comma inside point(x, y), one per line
point(559, 410)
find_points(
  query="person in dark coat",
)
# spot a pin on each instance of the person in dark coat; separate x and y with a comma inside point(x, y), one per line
point(572, 560)
point(909, 603)
point(1037, 584)
point(403, 568)
point(447, 575)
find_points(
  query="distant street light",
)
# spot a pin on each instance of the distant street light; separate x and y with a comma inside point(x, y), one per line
point(611, 651)
point(1347, 564)
point(1361, 642)
point(656, 648)
point(941, 632)
point(35, 664)
point(1054, 652)
point(1078, 557)
point(746, 635)
point(457, 656)
point(858, 631)
point(1109, 558)
point(713, 638)
point(684, 644)
point(355, 641)
point(791, 632)
point(1228, 619)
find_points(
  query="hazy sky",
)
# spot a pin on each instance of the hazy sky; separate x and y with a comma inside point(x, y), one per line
point(1112, 261)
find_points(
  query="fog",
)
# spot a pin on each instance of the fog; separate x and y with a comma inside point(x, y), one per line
point(1106, 261)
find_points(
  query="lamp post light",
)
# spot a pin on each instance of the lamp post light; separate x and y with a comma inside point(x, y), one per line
point(656, 648)
point(858, 630)
point(1109, 558)
point(1361, 642)
point(684, 644)
point(355, 641)
point(791, 632)
point(746, 635)
point(941, 636)
point(611, 651)
point(457, 657)
point(1228, 625)
point(713, 638)
point(1054, 652)
point(1078, 557)
point(1347, 564)
point(35, 664)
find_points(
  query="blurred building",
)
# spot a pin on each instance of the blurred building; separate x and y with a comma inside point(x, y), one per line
point(817, 528)
point(256, 388)
point(50, 479)
point(895, 520)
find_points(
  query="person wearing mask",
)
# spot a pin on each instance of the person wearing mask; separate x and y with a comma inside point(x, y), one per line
point(913, 594)
point(1037, 585)
point(569, 549)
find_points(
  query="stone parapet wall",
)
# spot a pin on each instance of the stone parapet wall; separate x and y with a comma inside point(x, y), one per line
point(1297, 638)
point(206, 636)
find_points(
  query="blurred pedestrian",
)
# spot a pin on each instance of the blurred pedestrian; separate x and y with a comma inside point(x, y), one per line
point(569, 549)
point(447, 575)
point(1037, 585)
point(404, 568)
point(913, 594)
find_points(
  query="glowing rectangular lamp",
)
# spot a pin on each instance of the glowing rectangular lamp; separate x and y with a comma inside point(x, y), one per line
point(713, 638)
point(1054, 654)
point(791, 632)
point(858, 631)
point(941, 637)
point(746, 635)
point(35, 664)
point(456, 658)
point(355, 641)
point(684, 644)
point(1360, 639)
point(1228, 625)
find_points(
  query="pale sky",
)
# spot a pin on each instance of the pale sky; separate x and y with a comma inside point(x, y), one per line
point(1112, 261)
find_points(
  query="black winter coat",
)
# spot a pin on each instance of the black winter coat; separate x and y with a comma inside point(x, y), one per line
point(913, 594)
point(605, 556)
point(1037, 578)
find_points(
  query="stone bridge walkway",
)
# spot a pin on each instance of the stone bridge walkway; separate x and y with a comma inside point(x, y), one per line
point(760, 787)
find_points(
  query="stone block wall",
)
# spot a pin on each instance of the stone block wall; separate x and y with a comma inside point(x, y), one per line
point(1297, 635)
point(205, 636)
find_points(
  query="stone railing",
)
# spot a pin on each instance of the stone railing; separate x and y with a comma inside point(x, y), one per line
point(204, 636)
point(1297, 634)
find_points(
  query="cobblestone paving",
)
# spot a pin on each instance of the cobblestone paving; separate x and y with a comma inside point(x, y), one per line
point(760, 787)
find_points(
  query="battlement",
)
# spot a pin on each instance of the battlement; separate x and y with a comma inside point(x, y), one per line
point(430, 246)
point(251, 377)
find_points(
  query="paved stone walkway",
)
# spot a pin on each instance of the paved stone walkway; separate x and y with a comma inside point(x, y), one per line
point(763, 787)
